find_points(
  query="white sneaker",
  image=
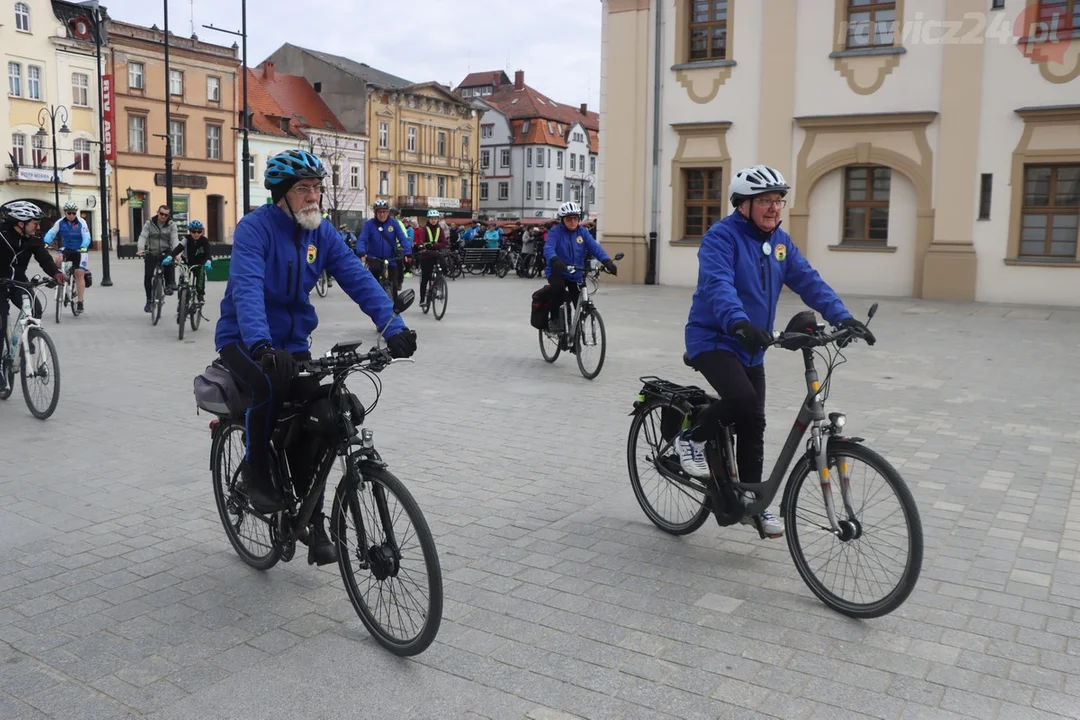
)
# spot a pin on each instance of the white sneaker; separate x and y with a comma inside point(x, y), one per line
point(692, 456)
point(772, 525)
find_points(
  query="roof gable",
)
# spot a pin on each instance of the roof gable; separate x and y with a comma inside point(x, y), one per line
point(372, 76)
point(283, 95)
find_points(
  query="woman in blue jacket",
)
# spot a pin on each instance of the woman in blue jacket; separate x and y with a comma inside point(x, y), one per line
point(743, 263)
point(568, 245)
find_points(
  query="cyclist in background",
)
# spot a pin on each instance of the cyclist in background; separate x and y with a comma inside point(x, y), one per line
point(158, 237)
point(384, 243)
point(196, 249)
point(74, 242)
point(568, 244)
point(432, 238)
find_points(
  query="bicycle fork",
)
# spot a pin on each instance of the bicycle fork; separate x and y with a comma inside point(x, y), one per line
point(818, 448)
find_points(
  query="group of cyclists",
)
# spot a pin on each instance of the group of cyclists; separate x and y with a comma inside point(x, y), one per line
point(280, 250)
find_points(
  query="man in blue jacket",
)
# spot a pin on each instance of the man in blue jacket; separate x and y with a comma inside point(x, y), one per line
point(568, 244)
point(743, 263)
point(384, 243)
point(279, 251)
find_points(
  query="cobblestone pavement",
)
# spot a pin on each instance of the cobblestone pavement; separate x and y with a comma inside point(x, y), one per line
point(120, 595)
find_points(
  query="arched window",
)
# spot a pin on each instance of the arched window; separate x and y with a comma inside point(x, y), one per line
point(22, 17)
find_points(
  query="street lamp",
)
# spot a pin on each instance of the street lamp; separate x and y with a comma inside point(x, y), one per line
point(52, 112)
point(246, 150)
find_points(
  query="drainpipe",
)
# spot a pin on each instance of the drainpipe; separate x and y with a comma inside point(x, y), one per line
point(650, 270)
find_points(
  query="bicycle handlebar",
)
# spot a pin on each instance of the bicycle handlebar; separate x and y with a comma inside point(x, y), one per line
point(819, 338)
point(34, 282)
point(375, 360)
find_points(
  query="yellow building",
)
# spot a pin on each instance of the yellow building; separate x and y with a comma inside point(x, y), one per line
point(47, 49)
point(424, 147)
point(202, 94)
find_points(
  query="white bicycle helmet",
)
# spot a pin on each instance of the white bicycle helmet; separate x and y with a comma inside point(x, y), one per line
point(70, 207)
point(758, 180)
point(380, 205)
point(569, 209)
point(434, 214)
point(23, 211)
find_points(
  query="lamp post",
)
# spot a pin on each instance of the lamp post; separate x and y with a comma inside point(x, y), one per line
point(103, 189)
point(168, 117)
point(52, 112)
point(246, 150)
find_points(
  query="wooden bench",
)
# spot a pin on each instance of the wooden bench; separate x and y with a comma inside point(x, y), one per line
point(476, 261)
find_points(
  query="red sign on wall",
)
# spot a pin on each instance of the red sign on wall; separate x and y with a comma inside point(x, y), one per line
point(107, 108)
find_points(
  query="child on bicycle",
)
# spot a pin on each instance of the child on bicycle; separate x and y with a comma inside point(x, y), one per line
point(567, 246)
point(196, 249)
point(429, 240)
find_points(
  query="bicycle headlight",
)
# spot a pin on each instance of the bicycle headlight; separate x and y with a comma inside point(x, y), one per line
point(839, 420)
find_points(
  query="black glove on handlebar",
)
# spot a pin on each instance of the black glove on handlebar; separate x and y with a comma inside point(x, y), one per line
point(402, 345)
point(558, 265)
point(279, 363)
point(611, 267)
point(859, 327)
point(751, 337)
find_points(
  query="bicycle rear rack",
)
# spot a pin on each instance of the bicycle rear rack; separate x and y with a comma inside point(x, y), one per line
point(673, 392)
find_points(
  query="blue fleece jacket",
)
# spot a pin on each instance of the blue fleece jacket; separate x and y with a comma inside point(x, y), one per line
point(572, 249)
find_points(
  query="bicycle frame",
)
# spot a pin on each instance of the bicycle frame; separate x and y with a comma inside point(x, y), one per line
point(25, 321)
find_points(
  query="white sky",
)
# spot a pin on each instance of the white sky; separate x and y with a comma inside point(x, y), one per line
point(556, 42)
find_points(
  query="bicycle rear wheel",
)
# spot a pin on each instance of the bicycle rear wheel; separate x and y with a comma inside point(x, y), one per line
point(320, 285)
point(812, 541)
point(550, 345)
point(674, 507)
point(157, 299)
point(589, 337)
point(381, 566)
point(40, 371)
point(438, 303)
point(181, 310)
point(250, 537)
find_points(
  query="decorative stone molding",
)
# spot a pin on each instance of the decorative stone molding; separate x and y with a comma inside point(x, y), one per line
point(865, 69)
point(701, 80)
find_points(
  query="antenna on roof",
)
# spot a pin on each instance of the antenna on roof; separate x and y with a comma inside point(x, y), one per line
point(192, 8)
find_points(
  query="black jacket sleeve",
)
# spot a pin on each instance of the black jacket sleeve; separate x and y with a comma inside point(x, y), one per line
point(43, 257)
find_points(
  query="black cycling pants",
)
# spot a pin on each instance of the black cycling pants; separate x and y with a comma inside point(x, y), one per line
point(427, 265)
point(375, 265)
point(151, 262)
point(562, 292)
point(267, 395)
point(742, 390)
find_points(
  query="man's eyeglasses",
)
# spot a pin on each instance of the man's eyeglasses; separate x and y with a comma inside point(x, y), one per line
point(164, 214)
point(70, 213)
point(303, 190)
point(195, 232)
point(766, 202)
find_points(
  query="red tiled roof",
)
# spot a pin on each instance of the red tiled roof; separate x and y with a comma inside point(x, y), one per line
point(479, 79)
point(273, 95)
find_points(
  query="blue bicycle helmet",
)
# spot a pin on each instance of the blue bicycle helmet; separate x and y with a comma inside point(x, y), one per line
point(195, 225)
point(285, 169)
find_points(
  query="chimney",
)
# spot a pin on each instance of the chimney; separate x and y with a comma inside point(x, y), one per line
point(519, 80)
point(268, 71)
point(318, 87)
point(584, 108)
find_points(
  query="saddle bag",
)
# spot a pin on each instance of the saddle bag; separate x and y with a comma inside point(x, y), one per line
point(542, 305)
point(89, 278)
point(217, 392)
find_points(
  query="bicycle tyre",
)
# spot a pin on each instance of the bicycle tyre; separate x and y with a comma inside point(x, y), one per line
point(803, 472)
point(402, 647)
point(549, 357)
point(195, 317)
point(72, 295)
point(259, 562)
point(320, 285)
point(6, 362)
point(31, 334)
point(442, 296)
point(697, 519)
point(157, 299)
point(59, 302)
point(502, 267)
point(579, 332)
point(181, 311)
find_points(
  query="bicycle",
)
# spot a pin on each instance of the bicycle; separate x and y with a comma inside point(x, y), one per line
point(334, 421)
point(324, 283)
point(157, 292)
point(27, 357)
point(829, 452)
point(66, 294)
point(437, 292)
point(574, 337)
point(188, 307)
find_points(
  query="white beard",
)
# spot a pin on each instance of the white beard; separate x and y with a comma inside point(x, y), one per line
point(309, 217)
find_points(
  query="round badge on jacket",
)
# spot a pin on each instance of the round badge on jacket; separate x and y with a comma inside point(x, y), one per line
point(579, 239)
point(781, 253)
point(766, 248)
point(312, 252)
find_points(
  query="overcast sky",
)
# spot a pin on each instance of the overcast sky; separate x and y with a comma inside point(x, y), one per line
point(556, 43)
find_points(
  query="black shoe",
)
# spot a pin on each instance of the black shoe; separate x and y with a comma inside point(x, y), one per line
point(321, 550)
point(80, 307)
point(170, 289)
point(262, 495)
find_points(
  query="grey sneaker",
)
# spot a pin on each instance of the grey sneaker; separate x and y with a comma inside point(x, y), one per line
point(692, 456)
point(772, 525)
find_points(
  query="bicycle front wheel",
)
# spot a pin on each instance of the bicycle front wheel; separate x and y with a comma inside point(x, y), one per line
point(157, 299)
point(40, 372)
point(387, 559)
point(320, 285)
point(590, 343)
point(872, 566)
point(195, 315)
point(7, 367)
point(441, 292)
point(181, 311)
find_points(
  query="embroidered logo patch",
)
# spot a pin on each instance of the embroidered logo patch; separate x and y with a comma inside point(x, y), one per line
point(580, 240)
point(781, 253)
point(312, 252)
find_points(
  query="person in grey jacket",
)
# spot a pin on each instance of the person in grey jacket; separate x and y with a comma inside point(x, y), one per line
point(156, 241)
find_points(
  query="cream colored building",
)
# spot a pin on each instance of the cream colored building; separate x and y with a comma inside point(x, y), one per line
point(44, 46)
point(933, 145)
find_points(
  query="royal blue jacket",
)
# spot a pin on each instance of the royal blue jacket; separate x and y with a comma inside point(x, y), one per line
point(571, 249)
point(73, 236)
point(738, 281)
point(273, 268)
point(381, 240)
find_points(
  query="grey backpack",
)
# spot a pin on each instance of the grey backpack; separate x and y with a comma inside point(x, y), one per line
point(218, 392)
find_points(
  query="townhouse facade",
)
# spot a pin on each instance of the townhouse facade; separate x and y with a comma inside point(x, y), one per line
point(535, 153)
point(48, 53)
point(201, 92)
point(933, 147)
point(423, 139)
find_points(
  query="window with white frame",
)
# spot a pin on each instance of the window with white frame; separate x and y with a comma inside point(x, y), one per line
point(213, 89)
point(558, 192)
point(483, 191)
point(592, 194)
point(176, 82)
point(559, 159)
point(354, 177)
point(251, 168)
point(213, 142)
point(80, 89)
point(539, 190)
point(384, 182)
point(504, 191)
point(528, 191)
point(410, 139)
point(464, 189)
point(22, 17)
point(592, 164)
point(384, 135)
point(38, 156)
point(440, 186)
point(81, 146)
point(410, 184)
point(441, 145)
point(573, 161)
point(136, 73)
point(487, 131)
point(581, 162)
point(528, 157)
point(539, 157)
point(18, 148)
point(33, 82)
point(177, 130)
point(14, 74)
point(504, 158)
point(485, 159)
point(548, 190)
point(136, 133)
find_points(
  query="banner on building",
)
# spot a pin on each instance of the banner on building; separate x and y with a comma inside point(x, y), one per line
point(109, 116)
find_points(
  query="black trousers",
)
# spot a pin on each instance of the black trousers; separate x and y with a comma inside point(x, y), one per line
point(150, 262)
point(375, 265)
point(742, 390)
point(427, 265)
point(267, 395)
point(562, 292)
